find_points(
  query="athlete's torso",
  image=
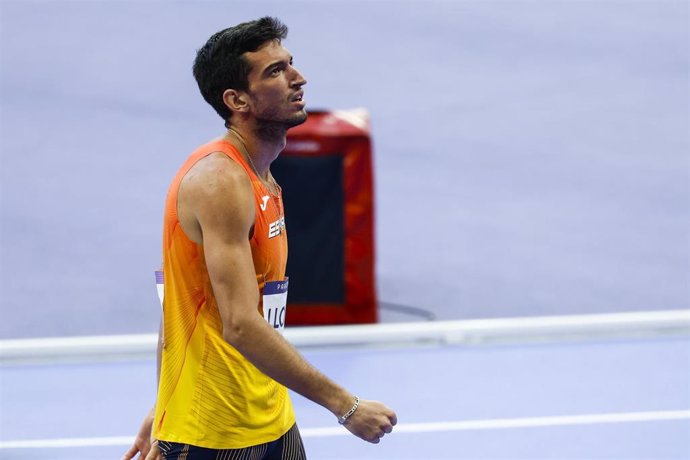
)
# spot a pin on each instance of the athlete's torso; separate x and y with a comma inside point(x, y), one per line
point(209, 394)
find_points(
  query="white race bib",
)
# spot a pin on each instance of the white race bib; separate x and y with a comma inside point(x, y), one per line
point(275, 303)
point(160, 285)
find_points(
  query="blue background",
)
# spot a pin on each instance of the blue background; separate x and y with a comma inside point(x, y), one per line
point(531, 157)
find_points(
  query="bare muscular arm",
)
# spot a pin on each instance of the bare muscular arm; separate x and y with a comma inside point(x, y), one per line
point(216, 209)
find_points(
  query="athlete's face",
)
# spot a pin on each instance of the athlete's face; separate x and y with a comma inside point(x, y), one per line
point(275, 86)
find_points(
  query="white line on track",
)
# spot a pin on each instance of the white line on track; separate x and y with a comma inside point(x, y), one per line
point(433, 427)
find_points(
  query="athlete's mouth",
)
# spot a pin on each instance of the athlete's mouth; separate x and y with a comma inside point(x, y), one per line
point(298, 97)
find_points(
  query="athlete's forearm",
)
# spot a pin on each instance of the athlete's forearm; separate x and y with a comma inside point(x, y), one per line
point(276, 357)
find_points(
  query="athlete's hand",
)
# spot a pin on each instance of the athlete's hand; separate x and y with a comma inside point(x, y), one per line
point(154, 452)
point(371, 421)
point(142, 443)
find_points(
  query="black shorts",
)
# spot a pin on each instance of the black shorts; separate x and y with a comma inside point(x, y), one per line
point(287, 447)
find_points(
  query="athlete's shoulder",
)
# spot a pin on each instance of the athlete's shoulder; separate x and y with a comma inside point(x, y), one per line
point(215, 197)
point(216, 173)
point(215, 147)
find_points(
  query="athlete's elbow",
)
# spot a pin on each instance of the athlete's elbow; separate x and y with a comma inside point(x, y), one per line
point(237, 332)
point(233, 333)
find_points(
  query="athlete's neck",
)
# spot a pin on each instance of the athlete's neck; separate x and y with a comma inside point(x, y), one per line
point(261, 148)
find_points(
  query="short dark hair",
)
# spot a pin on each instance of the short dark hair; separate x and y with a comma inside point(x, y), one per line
point(219, 64)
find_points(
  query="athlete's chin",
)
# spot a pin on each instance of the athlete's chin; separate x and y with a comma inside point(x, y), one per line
point(299, 118)
point(284, 121)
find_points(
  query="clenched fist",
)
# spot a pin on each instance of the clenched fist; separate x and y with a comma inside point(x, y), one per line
point(371, 421)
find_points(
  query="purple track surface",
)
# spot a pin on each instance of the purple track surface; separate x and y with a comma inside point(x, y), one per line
point(435, 384)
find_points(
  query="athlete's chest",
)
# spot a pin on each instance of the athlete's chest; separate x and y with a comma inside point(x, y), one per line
point(269, 240)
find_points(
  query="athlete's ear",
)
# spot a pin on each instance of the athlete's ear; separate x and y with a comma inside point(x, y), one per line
point(236, 101)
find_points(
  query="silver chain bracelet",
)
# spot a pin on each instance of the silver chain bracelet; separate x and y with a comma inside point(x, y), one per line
point(347, 415)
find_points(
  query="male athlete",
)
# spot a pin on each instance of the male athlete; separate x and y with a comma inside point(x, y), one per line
point(223, 369)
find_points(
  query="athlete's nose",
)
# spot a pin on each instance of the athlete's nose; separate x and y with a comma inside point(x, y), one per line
point(298, 79)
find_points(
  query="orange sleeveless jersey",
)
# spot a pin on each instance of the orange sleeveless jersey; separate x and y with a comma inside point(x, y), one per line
point(209, 395)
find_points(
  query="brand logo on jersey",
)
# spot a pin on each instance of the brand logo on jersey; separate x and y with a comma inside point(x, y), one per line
point(263, 205)
point(276, 228)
